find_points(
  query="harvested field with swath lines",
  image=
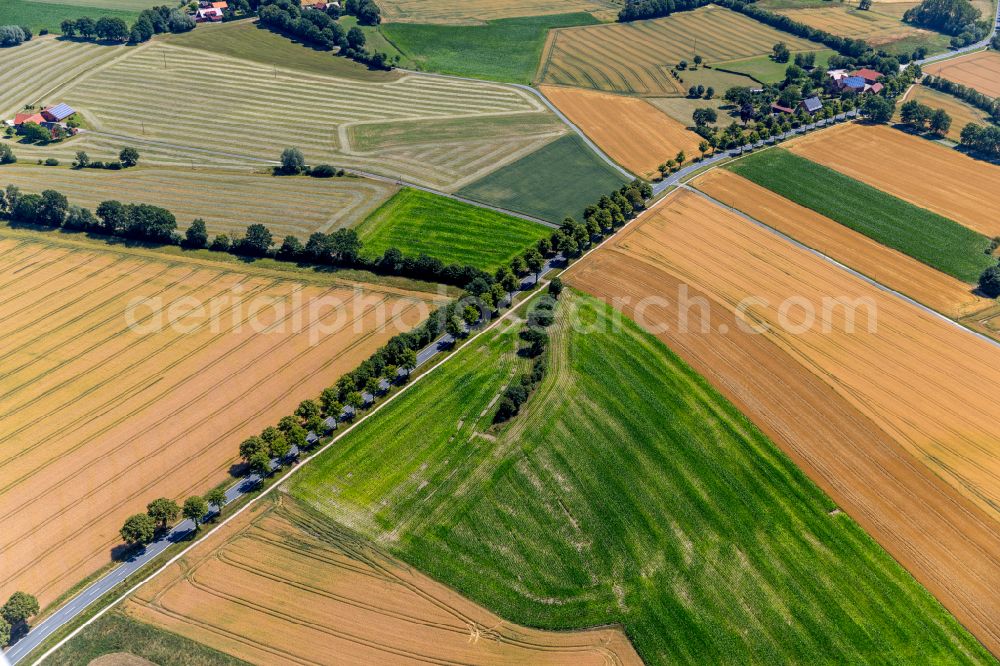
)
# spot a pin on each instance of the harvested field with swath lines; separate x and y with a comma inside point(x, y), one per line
point(29, 71)
point(636, 57)
point(97, 413)
point(922, 172)
point(876, 29)
point(977, 70)
point(228, 201)
point(477, 11)
point(268, 109)
point(288, 587)
point(961, 113)
point(889, 267)
point(631, 131)
point(884, 421)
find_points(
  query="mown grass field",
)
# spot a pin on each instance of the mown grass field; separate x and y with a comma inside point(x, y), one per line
point(628, 491)
point(268, 108)
point(39, 14)
point(246, 40)
point(557, 181)
point(961, 113)
point(505, 50)
point(116, 633)
point(637, 57)
point(418, 222)
point(477, 11)
point(928, 237)
point(764, 69)
point(881, 30)
point(228, 201)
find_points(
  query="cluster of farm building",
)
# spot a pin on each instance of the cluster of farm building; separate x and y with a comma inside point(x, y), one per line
point(52, 118)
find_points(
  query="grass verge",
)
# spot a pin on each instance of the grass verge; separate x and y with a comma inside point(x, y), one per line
point(928, 237)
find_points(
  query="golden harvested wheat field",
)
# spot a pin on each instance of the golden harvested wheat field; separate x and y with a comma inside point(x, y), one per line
point(922, 172)
point(478, 11)
point(961, 113)
point(977, 70)
point(889, 267)
point(876, 29)
point(280, 585)
point(631, 131)
point(101, 412)
point(894, 424)
point(228, 201)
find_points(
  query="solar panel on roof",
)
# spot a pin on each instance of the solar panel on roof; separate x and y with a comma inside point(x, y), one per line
point(60, 111)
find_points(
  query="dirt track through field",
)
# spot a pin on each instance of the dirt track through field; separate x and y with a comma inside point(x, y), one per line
point(631, 131)
point(883, 421)
point(95, 413)
point(924, 173)
point(889, 267)
point(286, 587)
point(977, 70)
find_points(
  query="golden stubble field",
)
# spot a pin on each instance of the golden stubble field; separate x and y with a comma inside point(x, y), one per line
point(101, 411)
point(889, 267)
point(894, 424)
point(977, 70)
point(922, 172)
point(477, 11)
point(283, 586)
point(630, 130)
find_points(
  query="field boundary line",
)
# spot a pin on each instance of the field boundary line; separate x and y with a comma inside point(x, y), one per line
point(295, 468)
point(829, 259)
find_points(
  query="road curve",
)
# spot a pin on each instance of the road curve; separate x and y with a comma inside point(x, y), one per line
point(981, 44)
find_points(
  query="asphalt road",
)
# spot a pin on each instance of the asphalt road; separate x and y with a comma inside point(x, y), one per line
point(183, 530)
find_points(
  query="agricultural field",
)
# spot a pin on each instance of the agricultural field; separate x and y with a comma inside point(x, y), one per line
point(287, 585)
point(922, 172)
point(28, 74)
point(475, 12)
point(682, 109)
point(636, 57)
point(765, 69)
point(48, 14)
point(630, 131)
point(928, 237)
point(880, 30)
point(629, 491)
point(248, 41)
point(894, 269)
point(270, 108)
point(106, 404)
point(977, 70)
point(892, 422)
point(228, 201)
point(418, 222)
point(961, 113)
point(553, 183)
point(506, 50)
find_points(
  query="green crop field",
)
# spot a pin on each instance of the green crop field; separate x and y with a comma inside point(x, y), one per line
point(254, 110)
point(418, 222)
point(637, 57)
point(227, 200)
point(117, 633)
point(42, 14)
point(502, 50)
point(928, 237)
point(627, 491)
point(557, 181)
point(764, 69)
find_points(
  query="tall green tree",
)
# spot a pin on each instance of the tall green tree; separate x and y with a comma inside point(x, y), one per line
point(19, 607)
point(139, 529)
point(195, 509)
point(163, 510)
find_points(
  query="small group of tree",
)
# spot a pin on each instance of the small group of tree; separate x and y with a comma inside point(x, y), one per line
point(699, 91)
point(877, 108)
point(704, 116)
point(7, 155)
point(981, 139)
point(952, 17)
point(922, 117)
point(14, 614)
point(152, 21)
point(14, 35)
point(127, 158)
point(674, 164)
point(268, 451)
point(141, 529)
point(536, 339)
point(636, 10)
point(989, 282)
point(321, 29)
point(966, 94)
point(780, 52)
point(805, 60)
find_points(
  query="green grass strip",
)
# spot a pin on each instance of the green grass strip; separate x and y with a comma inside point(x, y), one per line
point(416, 222)
point(928, 237)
